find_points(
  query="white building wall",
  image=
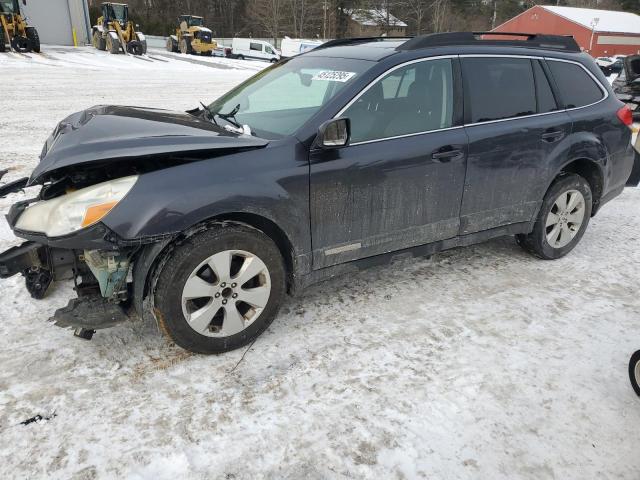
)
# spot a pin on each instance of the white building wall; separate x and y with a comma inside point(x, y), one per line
point(56, 20)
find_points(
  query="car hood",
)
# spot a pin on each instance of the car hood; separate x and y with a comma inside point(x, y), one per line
point(104, 134)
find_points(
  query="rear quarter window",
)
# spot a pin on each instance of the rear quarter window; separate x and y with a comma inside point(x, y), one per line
point(575, 85)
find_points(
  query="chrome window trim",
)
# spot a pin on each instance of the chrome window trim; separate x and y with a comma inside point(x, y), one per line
point(471, 55)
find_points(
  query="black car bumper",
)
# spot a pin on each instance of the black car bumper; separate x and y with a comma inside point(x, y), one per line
point(634, 178)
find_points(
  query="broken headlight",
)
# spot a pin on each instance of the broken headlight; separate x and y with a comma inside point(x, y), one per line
point(75, 210)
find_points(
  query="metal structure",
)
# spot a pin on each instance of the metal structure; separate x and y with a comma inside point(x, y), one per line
point(191, 37)
point(114, 31)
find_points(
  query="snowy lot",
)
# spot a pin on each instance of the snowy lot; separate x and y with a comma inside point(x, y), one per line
point(481, 362)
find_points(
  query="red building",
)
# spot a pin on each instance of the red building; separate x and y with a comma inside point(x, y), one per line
point(598, 32)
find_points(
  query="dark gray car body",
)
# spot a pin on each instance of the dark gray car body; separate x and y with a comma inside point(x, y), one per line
point(333, 210)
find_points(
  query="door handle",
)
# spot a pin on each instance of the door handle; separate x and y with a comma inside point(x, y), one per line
point(445, 154)
point(552, 135)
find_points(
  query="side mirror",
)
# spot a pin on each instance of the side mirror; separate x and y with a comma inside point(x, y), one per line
point(334, 133)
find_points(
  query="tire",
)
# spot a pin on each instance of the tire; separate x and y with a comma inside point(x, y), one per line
point(113, 45)
point(2, 40)
point(98, 42)
point(169, 45)
point(186, 267)
point(273, 60)
point(540, 242)
point(34, 38)
point(185, 46)
point(240, 57)
point(634, 372)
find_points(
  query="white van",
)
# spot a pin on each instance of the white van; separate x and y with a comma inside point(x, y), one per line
point(291, 47)
point(252, 48)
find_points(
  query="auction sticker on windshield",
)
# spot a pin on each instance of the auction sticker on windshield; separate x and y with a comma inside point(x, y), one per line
point(334, 76)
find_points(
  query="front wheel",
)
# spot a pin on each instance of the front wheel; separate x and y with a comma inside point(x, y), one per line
point(220, 289)
point(562, 219)
point(634, 372)
point(34, 39)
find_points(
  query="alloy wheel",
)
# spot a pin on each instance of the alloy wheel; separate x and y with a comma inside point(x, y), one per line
point(226, 293)
point(565, 218)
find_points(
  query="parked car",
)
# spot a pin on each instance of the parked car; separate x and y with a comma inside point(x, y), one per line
point(614, 67)
point(604, 61)
point(290, 47)
point(627, 85)
point(347, 156)
point(253, 49)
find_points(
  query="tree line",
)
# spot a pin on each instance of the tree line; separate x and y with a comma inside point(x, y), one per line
point(329, 18)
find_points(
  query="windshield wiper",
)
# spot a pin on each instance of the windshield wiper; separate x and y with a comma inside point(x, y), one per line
point(231, 116)
point(208, 114)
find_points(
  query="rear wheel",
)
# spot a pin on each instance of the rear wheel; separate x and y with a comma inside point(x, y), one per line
point(113, 45)
point(2, 40)
point(240, 57)
point(562, 220)
point(171, 45)
point(98, 42)
point(634, 372)
point(220, 289)
point(34, 38)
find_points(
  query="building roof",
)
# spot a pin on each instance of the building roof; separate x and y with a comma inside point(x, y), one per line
point(608, 20)
point(375, 17)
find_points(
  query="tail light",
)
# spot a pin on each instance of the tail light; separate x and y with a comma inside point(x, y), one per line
point(626, 116)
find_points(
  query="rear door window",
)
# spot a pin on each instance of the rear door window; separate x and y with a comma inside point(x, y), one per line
point(498, 88)
point(576, 86)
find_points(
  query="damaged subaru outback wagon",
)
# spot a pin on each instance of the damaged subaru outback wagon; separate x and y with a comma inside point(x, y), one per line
point(340, 158)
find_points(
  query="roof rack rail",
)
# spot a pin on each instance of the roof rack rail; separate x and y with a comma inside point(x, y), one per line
point(535, 40)
point(341, 42)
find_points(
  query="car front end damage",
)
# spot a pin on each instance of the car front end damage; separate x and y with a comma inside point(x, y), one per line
point(86, 252)
point(89, 164)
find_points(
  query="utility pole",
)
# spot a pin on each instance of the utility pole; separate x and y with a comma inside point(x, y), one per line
point(324, 21)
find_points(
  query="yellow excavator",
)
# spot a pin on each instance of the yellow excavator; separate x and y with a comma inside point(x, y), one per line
point(191, 37)
point(15, 31)
point(115, 33)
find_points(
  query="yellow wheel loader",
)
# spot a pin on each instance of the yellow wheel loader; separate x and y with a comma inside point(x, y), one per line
point(115, 33)
point(191, 37)
point(15, 31)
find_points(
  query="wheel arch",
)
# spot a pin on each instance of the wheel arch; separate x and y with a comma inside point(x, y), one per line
point(591, 171)
point(151, 258)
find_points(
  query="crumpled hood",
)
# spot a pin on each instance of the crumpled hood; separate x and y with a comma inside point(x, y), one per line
point(115, 133)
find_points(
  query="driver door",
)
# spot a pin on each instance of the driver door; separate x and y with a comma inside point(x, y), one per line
point(399, 182)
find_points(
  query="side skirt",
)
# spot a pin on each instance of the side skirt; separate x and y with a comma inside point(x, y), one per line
point(354, 266)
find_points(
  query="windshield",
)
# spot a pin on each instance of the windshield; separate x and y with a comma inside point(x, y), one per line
point(195, 22)
point(8, 6)
point(280, 99)
point(117, 12)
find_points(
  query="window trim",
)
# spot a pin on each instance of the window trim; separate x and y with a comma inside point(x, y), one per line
point(464, 125)
point(389, 71)
point(546, 59)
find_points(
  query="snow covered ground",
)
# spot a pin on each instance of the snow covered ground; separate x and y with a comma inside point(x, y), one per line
point(481, 362)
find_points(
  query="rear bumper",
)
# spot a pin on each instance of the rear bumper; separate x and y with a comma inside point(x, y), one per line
point(634, 177)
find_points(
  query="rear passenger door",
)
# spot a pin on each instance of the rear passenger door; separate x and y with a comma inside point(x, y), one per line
point(515, 128)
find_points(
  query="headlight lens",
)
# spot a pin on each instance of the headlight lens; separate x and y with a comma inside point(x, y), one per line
point(75, 210)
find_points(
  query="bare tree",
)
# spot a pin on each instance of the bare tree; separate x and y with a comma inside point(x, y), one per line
point(268, 15)
point(439, 12)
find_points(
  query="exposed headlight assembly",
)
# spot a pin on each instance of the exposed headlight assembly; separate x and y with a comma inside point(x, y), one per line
point(76, 210)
